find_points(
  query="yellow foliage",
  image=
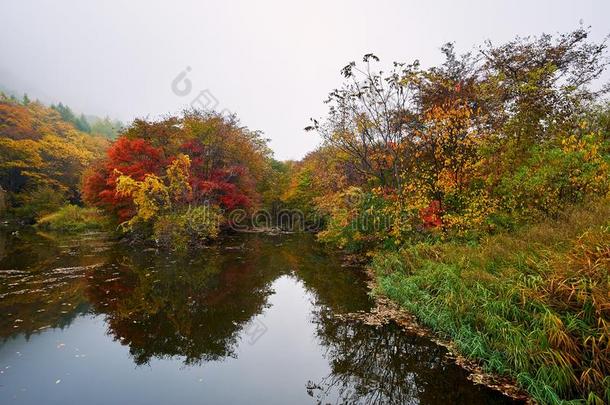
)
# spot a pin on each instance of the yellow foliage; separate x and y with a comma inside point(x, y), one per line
point(150, 196)
point(178, 177)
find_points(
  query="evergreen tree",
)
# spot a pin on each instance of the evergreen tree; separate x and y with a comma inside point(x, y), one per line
point(82, 124)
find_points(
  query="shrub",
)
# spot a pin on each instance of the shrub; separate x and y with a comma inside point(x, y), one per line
point(187, 228)
point(362, 221)
point(71, 218)
point(554, 177)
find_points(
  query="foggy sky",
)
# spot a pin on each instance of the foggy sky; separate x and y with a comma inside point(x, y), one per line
point(271, 62)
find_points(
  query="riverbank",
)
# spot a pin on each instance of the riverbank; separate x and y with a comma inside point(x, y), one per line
point(388, 311)
point(531, 306)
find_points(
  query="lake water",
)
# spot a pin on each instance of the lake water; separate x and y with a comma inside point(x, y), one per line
point(248, 321)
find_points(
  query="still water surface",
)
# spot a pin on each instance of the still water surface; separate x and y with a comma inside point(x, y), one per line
point(249, 321)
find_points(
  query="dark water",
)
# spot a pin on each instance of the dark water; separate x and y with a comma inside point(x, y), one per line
point(250, 321)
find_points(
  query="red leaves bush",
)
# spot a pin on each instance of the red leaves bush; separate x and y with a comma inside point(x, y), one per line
point(218, 175)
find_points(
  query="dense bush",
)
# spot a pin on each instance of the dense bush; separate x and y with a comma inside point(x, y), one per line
point(554, 177)
point(169, 180)
point(363, 221)
point(164, 210)
point(187, 228)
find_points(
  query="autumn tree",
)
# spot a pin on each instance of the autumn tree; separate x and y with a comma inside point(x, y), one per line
point(370, 117)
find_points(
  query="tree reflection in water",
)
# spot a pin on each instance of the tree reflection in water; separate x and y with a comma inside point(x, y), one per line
point(165, 306)
point(196, 308)
point(384, 365)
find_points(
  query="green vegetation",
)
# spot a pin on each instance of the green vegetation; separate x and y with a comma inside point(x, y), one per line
point(72, 219)
point(533, 304)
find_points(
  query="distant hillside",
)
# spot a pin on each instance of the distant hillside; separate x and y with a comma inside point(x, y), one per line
point(42, 156)
point(89, 123)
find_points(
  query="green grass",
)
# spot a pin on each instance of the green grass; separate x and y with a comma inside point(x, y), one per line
point(72, 219)
point(534, 304)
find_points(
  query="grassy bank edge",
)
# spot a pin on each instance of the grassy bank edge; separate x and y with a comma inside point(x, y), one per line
point(532, 305)
point(74, 219)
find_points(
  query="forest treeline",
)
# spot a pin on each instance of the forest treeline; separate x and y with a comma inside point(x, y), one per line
point(42, 158)
point(478, 189)
point(172, 181)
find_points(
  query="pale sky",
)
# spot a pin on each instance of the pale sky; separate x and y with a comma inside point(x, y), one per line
point(272, 62)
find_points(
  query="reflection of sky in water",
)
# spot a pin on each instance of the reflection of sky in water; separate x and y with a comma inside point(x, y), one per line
point(247, 326)
point(273, 370)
